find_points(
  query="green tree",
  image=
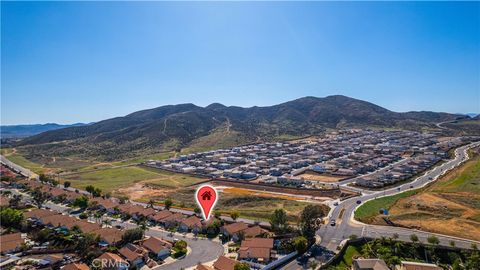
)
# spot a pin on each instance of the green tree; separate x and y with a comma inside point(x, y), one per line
point(278, 220)
point(168, 203)
point(122, 199)
point(39, 197)
point(414, 238)
point(241, 266)
point(472, 261)
point(180, 244)
point(151, 203)
point(85, 243)
point(90, 189)
point(67, 184)
point(196, 210)
point(433, 240)
point(43, 178)
point(310, 221)
point(234, 215)
point(97, 192)
point(81, 202)
point(14, 202)
point(217, 214)
point(11, 217)
point(132, 235)
point(301, 244)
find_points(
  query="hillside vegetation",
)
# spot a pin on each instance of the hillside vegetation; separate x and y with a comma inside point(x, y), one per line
point(187, 126)
point(450, 205)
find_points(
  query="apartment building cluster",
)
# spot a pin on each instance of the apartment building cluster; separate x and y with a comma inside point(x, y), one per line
point(345, 153)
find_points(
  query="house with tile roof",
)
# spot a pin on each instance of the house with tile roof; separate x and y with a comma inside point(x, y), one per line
point(10, 243)
point(110, 261)
point(257, 249)
point(158, 247)
point(76, 266)
point(224, 263)
point(192, 223)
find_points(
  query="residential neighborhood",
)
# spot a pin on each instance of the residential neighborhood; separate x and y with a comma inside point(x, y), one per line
point(374, 158)
point(53, 229)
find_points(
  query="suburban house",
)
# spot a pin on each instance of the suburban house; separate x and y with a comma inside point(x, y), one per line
point(172, 220)
point(10, 243)
point(106, 205)
point(133, 255)
point(192, 223)
point(158, 247)
point(50, 260)
point(110, 261)
point(159, 216)
point(203, 267)
point(254, 231)
point(76, 266)
point(234, 230)
point(109, 236)
point(37, 215)
point(369, 264)
point(258, 249)
point(404, 265)
point(224, 263)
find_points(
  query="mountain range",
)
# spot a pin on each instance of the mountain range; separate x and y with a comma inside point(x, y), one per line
point(21, 131)
point(176, 127)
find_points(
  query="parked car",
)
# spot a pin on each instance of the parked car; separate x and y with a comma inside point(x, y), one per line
point(332, 222)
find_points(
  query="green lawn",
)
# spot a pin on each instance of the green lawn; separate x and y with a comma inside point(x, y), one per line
point(110, 179)
point(114, 178)
point(466, 181)
point(371, 208)
point(346, 262)
point(20, 160)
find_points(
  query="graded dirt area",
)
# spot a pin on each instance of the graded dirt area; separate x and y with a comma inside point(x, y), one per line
point(449, 206)
point(320, 177)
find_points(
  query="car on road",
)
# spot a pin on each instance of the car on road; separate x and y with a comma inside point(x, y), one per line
point(332, 222)
point(359, 202)
point(411, 186)
point(335, 204)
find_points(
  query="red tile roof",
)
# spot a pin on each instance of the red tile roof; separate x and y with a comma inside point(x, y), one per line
point(224, 263)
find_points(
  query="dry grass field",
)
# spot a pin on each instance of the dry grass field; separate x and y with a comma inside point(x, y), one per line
point(449, 206)
point(320, 177)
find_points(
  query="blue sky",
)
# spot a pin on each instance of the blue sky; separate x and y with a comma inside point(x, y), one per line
point(71, 62)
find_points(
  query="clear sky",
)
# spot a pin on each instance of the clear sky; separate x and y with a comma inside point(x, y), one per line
point(69, 62)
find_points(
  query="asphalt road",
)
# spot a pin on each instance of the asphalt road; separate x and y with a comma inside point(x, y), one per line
point(332, 236)
point(25, 172)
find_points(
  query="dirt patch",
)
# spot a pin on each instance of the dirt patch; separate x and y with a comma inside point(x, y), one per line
point(243, 191)
point(320, 177)
point(139, 191)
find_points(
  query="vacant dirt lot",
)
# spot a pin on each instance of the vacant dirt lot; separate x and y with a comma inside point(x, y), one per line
point(313, 176)
point(450, 206)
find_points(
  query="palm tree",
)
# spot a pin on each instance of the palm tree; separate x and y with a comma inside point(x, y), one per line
point(414, 239)
point(106, 222)
point(151, 202)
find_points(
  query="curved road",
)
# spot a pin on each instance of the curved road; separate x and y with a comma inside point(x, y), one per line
point(201, 250)
point(331, 236)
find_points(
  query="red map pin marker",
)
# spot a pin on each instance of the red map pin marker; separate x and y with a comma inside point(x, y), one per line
point(206, 197)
